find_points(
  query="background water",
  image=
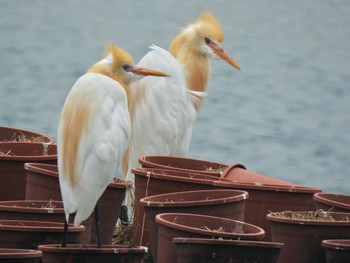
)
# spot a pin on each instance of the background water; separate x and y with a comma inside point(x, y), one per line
point(286, 114)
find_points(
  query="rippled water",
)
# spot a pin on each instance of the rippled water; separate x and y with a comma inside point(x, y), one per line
point(286, 114)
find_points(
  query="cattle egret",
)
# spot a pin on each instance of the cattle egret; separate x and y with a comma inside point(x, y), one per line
point(94, 131)
point(163, 110)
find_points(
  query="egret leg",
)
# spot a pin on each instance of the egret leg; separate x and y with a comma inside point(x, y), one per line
point(97, 220)
point(65, 233)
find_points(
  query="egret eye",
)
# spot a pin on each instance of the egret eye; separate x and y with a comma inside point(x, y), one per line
point(126, 67)
point(207, 40)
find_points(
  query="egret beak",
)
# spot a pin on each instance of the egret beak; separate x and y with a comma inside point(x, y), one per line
point(220, 52)
point(148, 72)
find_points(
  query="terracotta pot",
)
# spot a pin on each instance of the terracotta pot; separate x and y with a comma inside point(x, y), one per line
point(157, 181)
point(40, 210)
point(265, 198)
point(8, 134)
point(333, 202)
point(89, 253)
point(12, 255)
point(221, 203)
point(29, 234)
point(184, 164)
point(207, 250)
point(12, 174)
point(238, 174)
point(43, 184)
point(303, 237)
point(337, 250)
point(171, 225)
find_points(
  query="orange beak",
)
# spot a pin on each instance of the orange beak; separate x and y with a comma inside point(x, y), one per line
point(220, 52)
point(147, 72)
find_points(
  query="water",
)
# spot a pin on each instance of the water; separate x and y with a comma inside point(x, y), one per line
point(286, 114)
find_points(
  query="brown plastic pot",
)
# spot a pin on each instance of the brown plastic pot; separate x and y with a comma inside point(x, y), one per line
point(9, 134)
point(333, 202)
point(303, 237)
point(208, 250)
point(157, 181)
point(12, 173)
point(183, 164)
point(238, 174)
point(265, 198)
point(337, 250)
point(43, 184)
point(29, 234)
point(12, 255)
point(40, 210)
point(89, 253)
point(171, 225)
point(221, 203)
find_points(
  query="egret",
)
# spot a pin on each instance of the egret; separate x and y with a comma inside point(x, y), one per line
point(94, 131)
point(163, 110)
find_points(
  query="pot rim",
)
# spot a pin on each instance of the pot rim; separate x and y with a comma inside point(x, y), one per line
point(28, 158)
point(211, 241)
point(14, 129)
point(339, 244)
point(232, 196)
point(92, 248)
point(42, 168)
point(268, 187)
point(189, 177)
point(273, 218)
point(259, 233)
point(327, 199)
point(37, 226)
point(19, 253)
point(14, 206)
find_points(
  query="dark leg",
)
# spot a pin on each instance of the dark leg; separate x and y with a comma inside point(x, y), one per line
point(97, 219)
point(65, 232)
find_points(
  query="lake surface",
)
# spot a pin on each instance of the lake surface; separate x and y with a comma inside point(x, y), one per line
point(285, 114)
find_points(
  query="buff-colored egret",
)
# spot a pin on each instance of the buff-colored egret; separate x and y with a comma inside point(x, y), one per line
point(94, 131)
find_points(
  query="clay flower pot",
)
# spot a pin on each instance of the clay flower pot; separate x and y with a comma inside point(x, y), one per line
point(183, 164)
point(171, 225)
point(303, 237)
point(90, 253)
point(43, 184)
point(40, 210)
point(8, 134)
point(207, 250)
point(337, 250)
point(12, 255)
point(265, 198)
point(221, 203)
point(333, 202)
point(29, 234)
point(157, 181)
point(12, 159)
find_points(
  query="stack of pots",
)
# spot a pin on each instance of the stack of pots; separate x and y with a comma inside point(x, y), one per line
point(31, 208)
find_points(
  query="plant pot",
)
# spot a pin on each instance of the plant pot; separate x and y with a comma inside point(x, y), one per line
point(8, 134)
point(303, 237)
point(92, 254)
point(40, 210)
point(265, 198)
point(238, 174)
point(333, 202)
point(29, 234)
point(43, 184)
point(184, 164)
point(207, 250)
point(12, 255)
point(157, 181)
point(171, 225)
point(12, 173)
point(337, 250)
point(221, 203)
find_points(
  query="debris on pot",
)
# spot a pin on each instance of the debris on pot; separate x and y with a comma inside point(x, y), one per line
point(309, 215)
